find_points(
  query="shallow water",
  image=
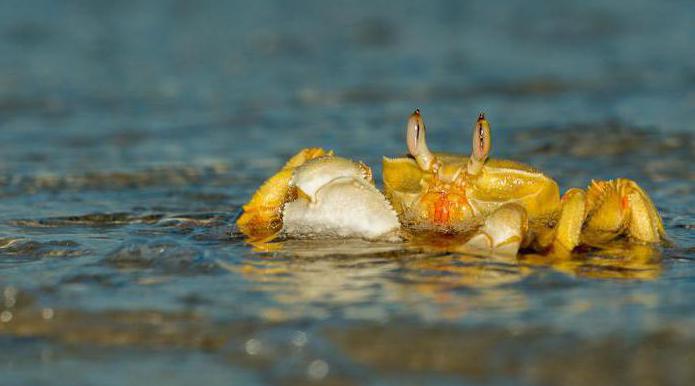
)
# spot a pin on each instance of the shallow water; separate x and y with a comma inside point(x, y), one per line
point(130, 135)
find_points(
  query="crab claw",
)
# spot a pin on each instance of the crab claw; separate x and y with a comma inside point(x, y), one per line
point(417, 147)
point(481, 145)
point(337, 198)
point(262, 215)
point(317, 194)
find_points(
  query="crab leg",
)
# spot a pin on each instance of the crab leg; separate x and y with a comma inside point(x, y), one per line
point(569, 226)
point(502, 233)
point(620, 208)
point(606, 211)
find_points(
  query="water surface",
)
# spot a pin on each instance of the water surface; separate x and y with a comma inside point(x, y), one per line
point(131, 134)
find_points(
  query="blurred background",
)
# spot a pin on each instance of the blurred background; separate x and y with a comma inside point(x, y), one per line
point(132, 131)
point(138, 83)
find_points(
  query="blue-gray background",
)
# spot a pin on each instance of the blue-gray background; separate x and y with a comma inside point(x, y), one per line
point(131, 132)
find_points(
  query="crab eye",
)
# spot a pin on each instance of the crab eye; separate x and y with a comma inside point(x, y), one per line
point(416, 129)
point(481, 139)
point(417, 147)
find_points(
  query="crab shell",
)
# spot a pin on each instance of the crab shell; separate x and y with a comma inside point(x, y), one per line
point(452, 200)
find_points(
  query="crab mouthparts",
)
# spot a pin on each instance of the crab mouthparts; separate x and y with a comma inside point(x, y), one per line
point(446, 208)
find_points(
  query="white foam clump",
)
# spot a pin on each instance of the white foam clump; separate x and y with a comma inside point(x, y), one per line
point(338, 201)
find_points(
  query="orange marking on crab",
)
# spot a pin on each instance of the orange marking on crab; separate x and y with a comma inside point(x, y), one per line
point(441, 209)
point(444, 208)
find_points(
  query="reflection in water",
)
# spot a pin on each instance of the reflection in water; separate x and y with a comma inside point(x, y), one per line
point(362, 287)
point(618, 261)
point(459, 284)
point(317, 277)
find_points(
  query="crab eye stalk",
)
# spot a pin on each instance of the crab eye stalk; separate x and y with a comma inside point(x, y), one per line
point(481, 145)
point(415, 136)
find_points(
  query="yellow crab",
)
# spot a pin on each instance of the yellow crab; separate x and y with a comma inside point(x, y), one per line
point(496, 206)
